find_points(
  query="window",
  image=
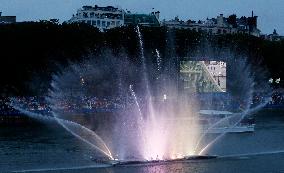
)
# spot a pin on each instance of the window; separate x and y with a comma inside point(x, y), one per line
point(89, 22)
point(112, 23)
point(94, 22)
point(117, 23)
point(219, 31)
point(92, 14)
point(108, 23)
point(98, 23)
point(85, 14)
point(103, 23)
point(210, 31)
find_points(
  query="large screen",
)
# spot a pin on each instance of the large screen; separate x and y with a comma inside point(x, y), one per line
point(203, 76)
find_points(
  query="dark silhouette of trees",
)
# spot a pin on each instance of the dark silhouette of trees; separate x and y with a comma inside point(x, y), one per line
point(31, 52)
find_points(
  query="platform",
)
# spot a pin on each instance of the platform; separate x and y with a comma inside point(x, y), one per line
point(136, 162)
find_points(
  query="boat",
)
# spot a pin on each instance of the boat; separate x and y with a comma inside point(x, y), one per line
point(215, 121)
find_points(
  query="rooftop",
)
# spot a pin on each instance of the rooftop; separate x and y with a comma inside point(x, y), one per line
point(96, 7)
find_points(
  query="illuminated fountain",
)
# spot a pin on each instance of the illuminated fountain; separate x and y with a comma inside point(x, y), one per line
point(147, 126)
point(148, 120)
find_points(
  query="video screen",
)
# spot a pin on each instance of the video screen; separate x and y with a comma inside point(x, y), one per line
point(203, 76)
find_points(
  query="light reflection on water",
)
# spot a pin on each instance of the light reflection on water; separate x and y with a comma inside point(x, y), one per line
point(49, 147)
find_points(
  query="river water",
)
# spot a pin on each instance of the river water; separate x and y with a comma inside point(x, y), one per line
point(40, 147)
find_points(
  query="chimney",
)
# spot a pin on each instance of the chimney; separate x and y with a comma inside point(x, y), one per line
point(0, 13)
point(252, 13)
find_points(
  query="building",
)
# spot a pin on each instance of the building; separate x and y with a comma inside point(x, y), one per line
point(151, 20)
point(7, 19)
point(210, 26)
point(110, 17)
point(219, 25)
point(273, 37)
point(101, 17)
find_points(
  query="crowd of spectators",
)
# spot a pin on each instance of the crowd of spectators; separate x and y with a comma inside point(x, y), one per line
point(95, 104)
point(40, 105)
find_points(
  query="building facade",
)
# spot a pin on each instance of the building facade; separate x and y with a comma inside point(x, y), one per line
point(101, 17)
point(7, 19)
point(273, 37)
point(110, 17)
point(219, 25)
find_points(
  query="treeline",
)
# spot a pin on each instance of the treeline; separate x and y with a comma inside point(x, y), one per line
point(31, 52)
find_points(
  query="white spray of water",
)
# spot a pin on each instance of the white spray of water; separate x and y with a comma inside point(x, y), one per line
point(65, 123)
point(243, 115)
point(159, 60)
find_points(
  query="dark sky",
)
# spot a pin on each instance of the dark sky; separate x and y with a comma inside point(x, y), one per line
point(270, 12)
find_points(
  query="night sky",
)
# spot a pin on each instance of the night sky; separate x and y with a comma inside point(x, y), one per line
point(270, 12)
